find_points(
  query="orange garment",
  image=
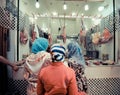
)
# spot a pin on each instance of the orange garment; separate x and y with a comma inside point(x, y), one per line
point(57, 79)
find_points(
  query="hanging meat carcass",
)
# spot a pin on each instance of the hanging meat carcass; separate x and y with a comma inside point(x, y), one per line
point(82, 37)
point(64, 35)
point(50, 39)
point(106, 36)
point(96, 37)
point(23, 37)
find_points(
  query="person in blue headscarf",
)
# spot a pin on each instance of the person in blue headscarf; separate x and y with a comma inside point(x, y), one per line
point(40, 44)
point(75, 52)
point(77, 62)
point(33, 64)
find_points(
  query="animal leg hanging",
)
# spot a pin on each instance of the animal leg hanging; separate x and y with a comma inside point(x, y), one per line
point(64, 31)
point(64, 35)
point(59, 29)
point(49, 34)
point(23, 36)
point(82, 34)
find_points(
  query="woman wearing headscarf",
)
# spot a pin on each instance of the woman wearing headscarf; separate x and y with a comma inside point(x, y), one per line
point(38, 59)
point(57, 79)
point(77, 63)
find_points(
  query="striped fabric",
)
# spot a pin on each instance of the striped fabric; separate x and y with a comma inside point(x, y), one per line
point(58, 52)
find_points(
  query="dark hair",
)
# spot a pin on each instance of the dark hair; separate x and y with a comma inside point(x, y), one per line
point(48, 49)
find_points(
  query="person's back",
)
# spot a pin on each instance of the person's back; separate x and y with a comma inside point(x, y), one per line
point(57, 80)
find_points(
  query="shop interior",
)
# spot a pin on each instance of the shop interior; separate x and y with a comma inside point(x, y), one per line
point(94, 24)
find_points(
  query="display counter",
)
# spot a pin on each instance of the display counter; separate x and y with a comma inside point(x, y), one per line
point(103, 79)
point(102, 71)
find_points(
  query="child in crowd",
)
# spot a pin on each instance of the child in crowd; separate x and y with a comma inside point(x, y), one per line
point(57, 79)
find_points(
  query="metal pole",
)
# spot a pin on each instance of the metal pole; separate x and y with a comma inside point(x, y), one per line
point(114, 30)
point(18, 30)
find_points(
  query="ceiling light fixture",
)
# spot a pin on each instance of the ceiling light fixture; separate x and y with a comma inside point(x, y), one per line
point(64, 6)
point(82, 14)
point(73, 14)
point(37, 5)
point(101, 8)
point(86, 7)
point(55, 13)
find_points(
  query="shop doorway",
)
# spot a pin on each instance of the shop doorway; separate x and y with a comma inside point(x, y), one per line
point(3, 52)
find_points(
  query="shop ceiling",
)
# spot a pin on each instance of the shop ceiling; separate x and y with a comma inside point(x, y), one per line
point(54, 8)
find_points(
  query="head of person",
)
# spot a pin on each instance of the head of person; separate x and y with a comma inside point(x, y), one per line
point(75, 52)
point(58, 52)
point(40, 44)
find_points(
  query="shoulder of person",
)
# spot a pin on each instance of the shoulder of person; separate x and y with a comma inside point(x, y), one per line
point(70, 70)
point(43, 70)
point(43, 53)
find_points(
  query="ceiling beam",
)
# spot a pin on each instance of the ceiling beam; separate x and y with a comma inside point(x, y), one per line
point(83, 0)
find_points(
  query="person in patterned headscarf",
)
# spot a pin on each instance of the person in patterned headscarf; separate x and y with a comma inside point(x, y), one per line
point(77, 63)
